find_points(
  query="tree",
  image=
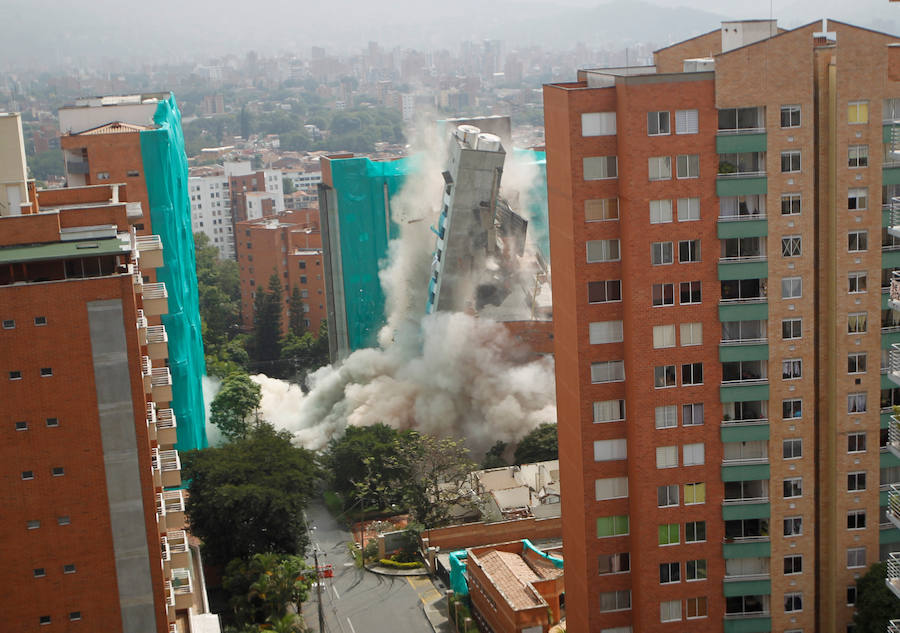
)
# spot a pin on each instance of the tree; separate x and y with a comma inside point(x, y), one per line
point(539, 445)
point(266, 587)
point(247, 497)
point(494, 457)
point(295, 313)
point(287, 185)
point(236, 405)
point(361, 459)
point(46, 164)
point(876, 604)
point(267, 320)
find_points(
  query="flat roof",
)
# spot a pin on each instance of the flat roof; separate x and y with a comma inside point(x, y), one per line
point(64, 250)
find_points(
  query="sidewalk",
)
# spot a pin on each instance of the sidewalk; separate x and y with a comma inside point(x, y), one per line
point(436, 612)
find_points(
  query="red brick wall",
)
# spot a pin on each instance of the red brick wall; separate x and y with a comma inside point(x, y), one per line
point(474, 534)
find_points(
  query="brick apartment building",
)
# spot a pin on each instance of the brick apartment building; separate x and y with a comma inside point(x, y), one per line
point(92, 530)
point(289, 245)
point(715, 222)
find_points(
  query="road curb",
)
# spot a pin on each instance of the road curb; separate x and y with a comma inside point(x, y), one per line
point(385, 571)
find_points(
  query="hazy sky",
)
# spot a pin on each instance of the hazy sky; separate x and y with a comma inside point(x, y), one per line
point(74, 34)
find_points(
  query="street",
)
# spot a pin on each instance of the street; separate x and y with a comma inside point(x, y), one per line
point(357, 601)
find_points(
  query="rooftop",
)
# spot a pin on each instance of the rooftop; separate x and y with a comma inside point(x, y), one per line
point(116, 127)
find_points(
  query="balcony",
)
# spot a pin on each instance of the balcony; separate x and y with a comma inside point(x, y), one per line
point(747, 623)
point(741, 174)
point(147, 373)
point(894, 363)
point(893, 443)
point(150, 249)
point(141, 328)
point(77, 168)
point(170, 465)
point(156, 299)
point(894, 291)
point(166, 427)
point(744, 430)
point(183, 588)
point(179, 549)
point(157, 342)
point(161, 384)
point(893, 573)
point(170, 601)
point(155, 468)
point(166, 555)
point(172, 504)
point(138, 280)
point(151, 421)
point(741, 140)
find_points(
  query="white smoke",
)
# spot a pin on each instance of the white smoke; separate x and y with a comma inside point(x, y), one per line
point(446, 374)
point(462, 376)
point(211, 386)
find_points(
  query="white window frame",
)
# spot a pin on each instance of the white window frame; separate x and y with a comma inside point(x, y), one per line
point(661, 211)
point(605, 332)
point(687, 122)
point(607, 167)
point(663, 336)
point(858, 198)
point(791, 287)
point(790, 110)
point(662, 295)
point(659, 121)
point(610, 488)
point(688, 209)
point(659, 168)
point(853, 282)
point(691, 334)
point(598, 124)
point(666, 457)
point(857, 156)
point(694, 454)
point(613, 368)
point(662, 253)
point(688, 162)
point(792, 156)
point(791, 198)
point(610, 251)
point(605, 207)
point(666, 417)
point(614, 407)
point(791, 246)
point(613, 450)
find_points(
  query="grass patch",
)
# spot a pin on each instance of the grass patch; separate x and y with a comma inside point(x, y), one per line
point(333, 502)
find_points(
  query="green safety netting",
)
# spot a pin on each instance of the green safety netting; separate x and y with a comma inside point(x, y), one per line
point(458, 581)
point(365, 231)
point(166, 173)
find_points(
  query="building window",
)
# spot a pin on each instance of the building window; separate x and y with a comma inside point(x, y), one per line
point(688, 209)
point(608, 371)
point(791, 368)
point(692, 374)
point(666, 416)
point(58, 471)
point(695, 531)
point(132, 173)
point(856, 557)
point(851, 595)
point(792, 409)
point(63, 520)
point(688, 166)
point(858, 199)
point(790, 116)
point(790, 161)
point(601, 210)
point(46, 371)
point(40, 320)
point(694, 454)
point(600, 167)
point(611, 488)
point(669, 534)
point(659, 167)
point(614, 563)
point(694, 494)
point(667, 496)
point(69, 569)
point(663, 336)
point(856, 363)
point(856, 482)
point(303, 277)
point(858, 156)
point(600, 251)
point(15, 375)
point(856, 282)
point(692, 414)
point(697, 608)
point(857, 241)
point(598, 124)
point(664, 376)
point(663, 294)
point(74, 616)
point(858, 112)
point(615, 600)
point(689, 292)
point(612, 526)
point(602, 332)
point(51, 422)
point(610, 450)
point(669, 573)
point(658, 123)
point(609, 411)
point(793, 487)
point(666, 456)
point(793, 602)
point(21, 426)
point(39, 572)
point(688, 251)
point(856, 442)
point(9, 324)
point(670, 611)
point(44, 619)
point(33, 524)
point(605, 291)
point(857, 323)
point(102, 175)
point(856, 520)
point(793, 564)
point(790, 204)
point(27, 474)
point(661, 253)
point(790, 246)
point(791, 287)
point(686, 122)
point(793, 526)
point(695, 569)
point(660, 211)
point(792, 448)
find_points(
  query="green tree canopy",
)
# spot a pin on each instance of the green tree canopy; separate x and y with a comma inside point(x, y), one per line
point(236, 406)
point(494, 457)
point(875, 603)
point(267, 320)
point(266, 587)
point(538, 446)
point(247, 497)
point(358, 455)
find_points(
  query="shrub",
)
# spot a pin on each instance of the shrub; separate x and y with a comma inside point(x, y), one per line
point(387, 562)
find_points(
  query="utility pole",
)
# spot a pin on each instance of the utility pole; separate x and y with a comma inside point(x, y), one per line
point(319, 591)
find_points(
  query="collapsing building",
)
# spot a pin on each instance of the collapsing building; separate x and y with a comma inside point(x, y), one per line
point(480, 263)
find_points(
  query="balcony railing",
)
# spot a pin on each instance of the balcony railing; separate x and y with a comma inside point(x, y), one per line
point(740, 217)
point(172, 504)
point(147, 373)
point(743, 500)
point(155, 468)
point(762, 380)
point(893, 626)
point(760, 340)
point(743, 258)
point(759, 299)
point(893, 573)
point(893, 443)
point(150, 249)
point(747, 422)
point(141, 327)
point(161, 384)
point(763, 575)
point(179, 548)
point(894, 363)
point(741, 174)
point(894, 298)
point(156, 299)
point(170, 465)
point(157, 342)
point(170, 600)
point(182, 587)
point(748, 614)
point(151, 420)
point(166, 552)
point(737, 461)
point(762, 538)
point(138, 279)
point(166, 427)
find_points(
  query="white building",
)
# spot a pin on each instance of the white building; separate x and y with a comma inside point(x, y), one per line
point(211, 212)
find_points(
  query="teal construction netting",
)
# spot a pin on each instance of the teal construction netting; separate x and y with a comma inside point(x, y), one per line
point(458, 582)
point(166, 173)
point(363, 189)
